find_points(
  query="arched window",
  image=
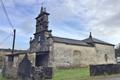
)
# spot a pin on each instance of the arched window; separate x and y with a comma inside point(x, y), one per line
point(76, 52)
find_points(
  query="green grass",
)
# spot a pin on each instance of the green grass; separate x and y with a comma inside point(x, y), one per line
point(69, 74)
point(72, 74)
point(1, 78)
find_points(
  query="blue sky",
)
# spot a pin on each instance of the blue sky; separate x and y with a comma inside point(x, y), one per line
point(68, 18)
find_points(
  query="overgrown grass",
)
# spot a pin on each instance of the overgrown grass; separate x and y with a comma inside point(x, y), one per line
point(72, 74)
point(1, 78)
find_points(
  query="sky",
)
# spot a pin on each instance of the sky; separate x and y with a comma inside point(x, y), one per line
point(68, 18)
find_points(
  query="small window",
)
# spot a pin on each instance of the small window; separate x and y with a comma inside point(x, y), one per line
point(76, 52)
point(106, 57)
point(10, 58)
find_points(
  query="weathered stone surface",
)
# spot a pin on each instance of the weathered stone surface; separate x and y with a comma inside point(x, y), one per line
point(10, 71)
point(42, 73)
point(101, 50)
point(24, 69)
point(104, 69)
point(4, 52)
point(66, 55)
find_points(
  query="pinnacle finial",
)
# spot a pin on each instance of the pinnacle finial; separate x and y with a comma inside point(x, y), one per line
point(90, 36)
point(42, 8)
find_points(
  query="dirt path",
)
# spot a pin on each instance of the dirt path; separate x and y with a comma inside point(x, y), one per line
point(113, 77)
point(109, 79)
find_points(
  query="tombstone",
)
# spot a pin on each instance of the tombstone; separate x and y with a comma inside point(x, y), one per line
point(24, 69)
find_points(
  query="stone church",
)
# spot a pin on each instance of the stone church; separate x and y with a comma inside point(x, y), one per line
point(66, 52)
point(47, 51)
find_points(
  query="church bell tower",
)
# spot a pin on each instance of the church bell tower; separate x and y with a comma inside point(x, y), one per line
point(42, 42)
point(42, 21)
point(42, 33)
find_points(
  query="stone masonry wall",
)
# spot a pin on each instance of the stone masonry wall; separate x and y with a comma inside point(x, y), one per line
point(66, 55)
point(105, 54)
point(11, 68)
point(2, 54)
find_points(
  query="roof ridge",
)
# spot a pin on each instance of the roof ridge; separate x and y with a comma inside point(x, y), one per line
point(67, 38)
point(95, 40)
point(69, 41)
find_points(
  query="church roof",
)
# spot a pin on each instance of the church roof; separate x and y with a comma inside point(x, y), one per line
point(84, 42)
point(94, 40)
point(69, 41)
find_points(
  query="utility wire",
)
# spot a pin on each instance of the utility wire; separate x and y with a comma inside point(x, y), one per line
point(5, 39)
point(5, 11)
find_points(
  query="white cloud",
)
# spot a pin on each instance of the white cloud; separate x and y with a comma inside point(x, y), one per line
point(102, 17)
point(26, 2)
point(8, 3)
